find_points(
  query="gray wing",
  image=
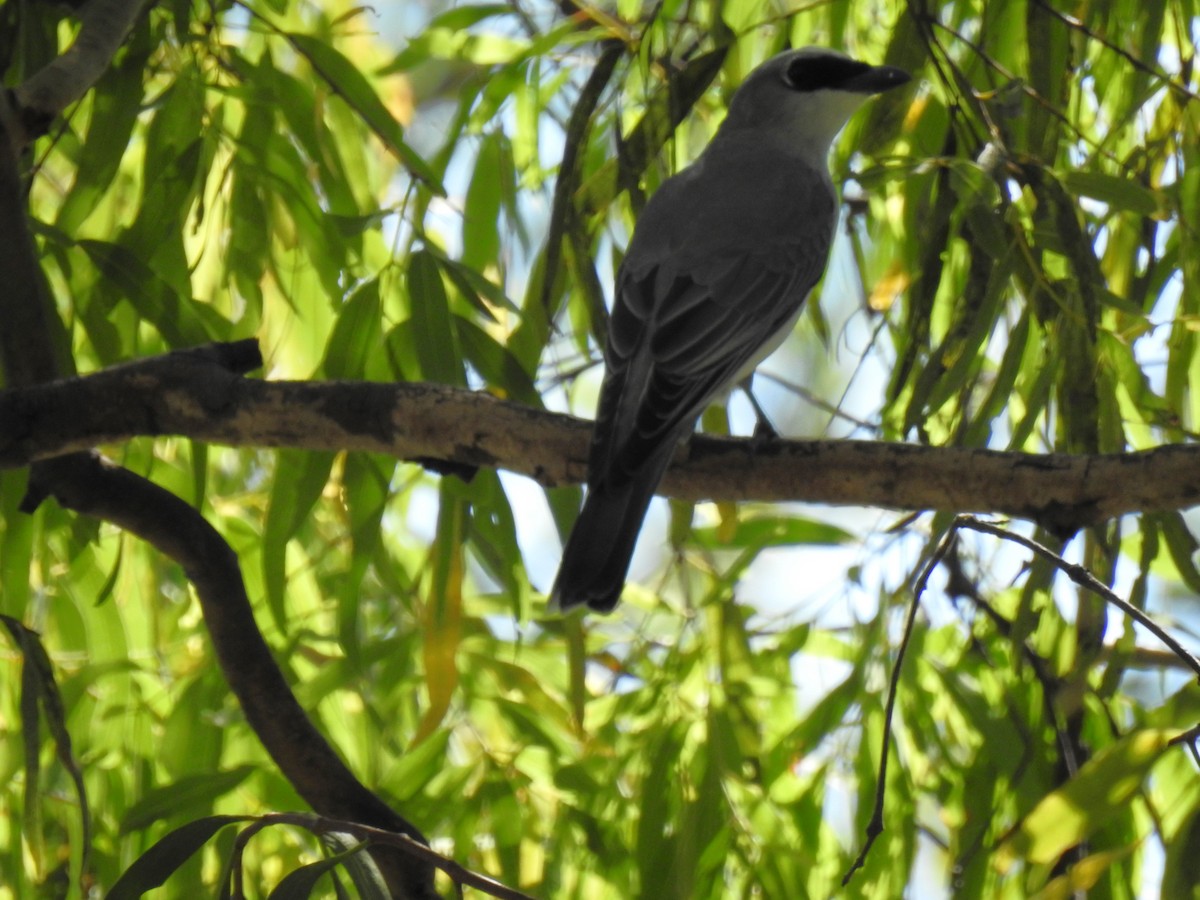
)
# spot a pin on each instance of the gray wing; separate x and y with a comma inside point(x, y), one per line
point(705, 286)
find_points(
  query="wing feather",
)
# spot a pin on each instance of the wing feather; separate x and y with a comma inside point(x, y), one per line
point(704, 288)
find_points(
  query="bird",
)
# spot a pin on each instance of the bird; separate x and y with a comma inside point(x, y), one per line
point(719, 265)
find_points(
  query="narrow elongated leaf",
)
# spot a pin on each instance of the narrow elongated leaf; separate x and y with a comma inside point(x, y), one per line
point(299, 885)
point(361, 867)
point(153, 298)
point(771, 531)
point(493, 534)
point(1100, 791)
point(500, 369)
point(436, 344)
point(118, 103)
point(481, 214)
point(356, 334)
point(174, 799)
point(474, 286)
point(1120, 193)
point(443, 612)
point(1183, 548)
point(300, 478)
point(352, 86)
point(1181, 874)
point(155, 866)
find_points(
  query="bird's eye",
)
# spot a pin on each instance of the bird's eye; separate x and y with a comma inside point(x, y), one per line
point(809, 73)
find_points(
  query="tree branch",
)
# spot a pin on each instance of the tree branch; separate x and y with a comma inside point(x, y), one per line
point(201, 395)
point(31, 328)
point(92, 486)
point(29, 342)
point(71, 74)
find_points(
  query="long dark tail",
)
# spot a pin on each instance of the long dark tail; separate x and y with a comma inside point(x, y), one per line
point(596, 558)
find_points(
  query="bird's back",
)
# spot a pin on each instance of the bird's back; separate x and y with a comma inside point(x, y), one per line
point(719, 266)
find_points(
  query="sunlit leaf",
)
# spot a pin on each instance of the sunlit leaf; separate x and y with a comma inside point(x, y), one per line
point(1069, 814)
point(350, 84)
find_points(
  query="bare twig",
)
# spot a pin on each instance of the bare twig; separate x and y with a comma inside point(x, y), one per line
point(1086, 580)
point(562, 213)
point(875, 825)
point(1076, 573)
point(1134, 62)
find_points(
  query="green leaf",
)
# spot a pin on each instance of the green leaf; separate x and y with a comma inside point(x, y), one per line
point(350, 84)
point(492, 532)
point(39, 688)
point(653, 831)
point(474, 286)
point(1181, 874)
point(154, 299)
point(419, 765)
point(356, 334)
point(771, 531)
point(117, 105)
point(298, 885)
point(366, 876)
point(496, 364)
point(1120, 193)
point(155, 866)
point(1099, 792)
point(366, 479)
point(1182, 545)
point(175, 799)
point(481, 212)
point(436, 344)
point(300, 477)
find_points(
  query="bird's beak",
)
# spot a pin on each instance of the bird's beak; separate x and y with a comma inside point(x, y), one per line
point(876, 80)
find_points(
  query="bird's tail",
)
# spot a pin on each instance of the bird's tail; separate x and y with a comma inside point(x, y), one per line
point(596, 558)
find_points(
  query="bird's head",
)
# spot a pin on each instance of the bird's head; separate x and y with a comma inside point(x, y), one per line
point(804, 97)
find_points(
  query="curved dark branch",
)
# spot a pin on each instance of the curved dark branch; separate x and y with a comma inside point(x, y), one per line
point(29, 355)
point(30, 329)
point(92, 486)
point(574, 143)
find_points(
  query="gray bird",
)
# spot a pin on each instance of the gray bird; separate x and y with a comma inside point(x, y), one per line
point(720, 263)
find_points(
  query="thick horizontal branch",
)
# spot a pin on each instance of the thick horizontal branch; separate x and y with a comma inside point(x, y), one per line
point(200, 395)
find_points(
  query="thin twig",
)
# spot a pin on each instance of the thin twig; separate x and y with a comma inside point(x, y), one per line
point(460, 875)
point(562, 214)
point(1140, 65)
point(1085, 579)
point(875, 826)
point(1077, 573)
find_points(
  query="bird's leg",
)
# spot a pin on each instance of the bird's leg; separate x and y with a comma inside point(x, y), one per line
point(763, 429)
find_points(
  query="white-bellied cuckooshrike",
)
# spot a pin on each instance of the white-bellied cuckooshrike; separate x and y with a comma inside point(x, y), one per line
point(720, 263)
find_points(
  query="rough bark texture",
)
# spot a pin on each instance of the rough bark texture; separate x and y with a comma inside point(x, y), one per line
point(202, 395)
